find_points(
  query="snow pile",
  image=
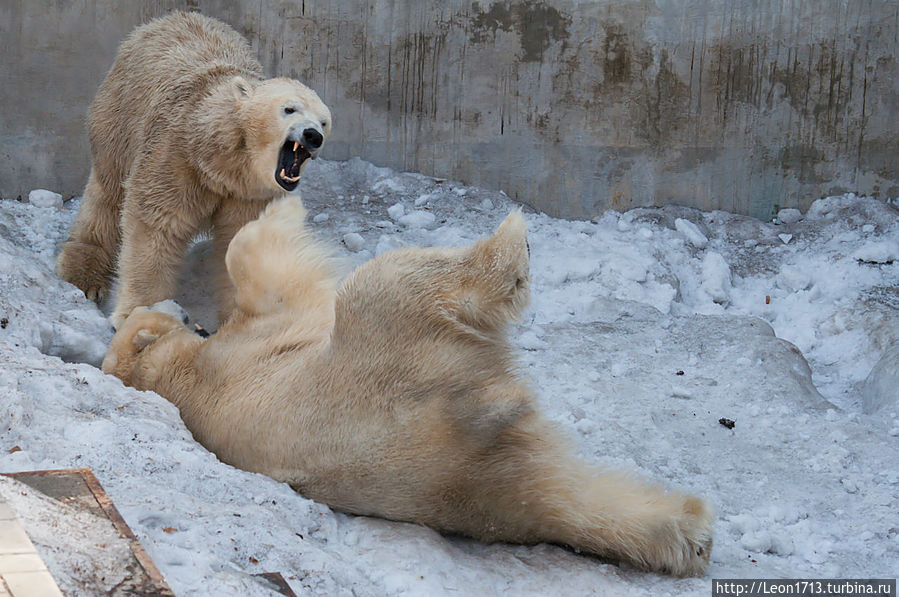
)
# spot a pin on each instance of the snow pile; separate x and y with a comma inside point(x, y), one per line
point(645, 329)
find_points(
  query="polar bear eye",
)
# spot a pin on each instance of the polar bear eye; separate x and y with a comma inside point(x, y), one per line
point(289, 110)
point(324, 124)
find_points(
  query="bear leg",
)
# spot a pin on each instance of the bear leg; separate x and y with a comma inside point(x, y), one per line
point(150, 256)
point(87, 258)
point(276, 265)
point(531, 491)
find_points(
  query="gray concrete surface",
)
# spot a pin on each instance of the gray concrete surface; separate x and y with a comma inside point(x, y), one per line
point(572, 107)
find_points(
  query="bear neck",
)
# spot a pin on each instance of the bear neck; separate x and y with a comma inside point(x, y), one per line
point(218, 142)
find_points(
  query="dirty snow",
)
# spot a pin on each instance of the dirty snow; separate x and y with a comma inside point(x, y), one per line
point(644, 330)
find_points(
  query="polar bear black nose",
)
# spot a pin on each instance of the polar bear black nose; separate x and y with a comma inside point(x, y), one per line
point(312, 138)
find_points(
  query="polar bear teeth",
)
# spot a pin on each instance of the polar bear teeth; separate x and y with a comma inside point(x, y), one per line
point(284, 176)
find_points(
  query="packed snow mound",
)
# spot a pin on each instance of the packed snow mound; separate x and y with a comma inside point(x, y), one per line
point(40, 310)
point(639, 338)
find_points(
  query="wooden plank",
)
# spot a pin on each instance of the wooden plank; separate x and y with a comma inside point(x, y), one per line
point(80, 488)
point(278, 582)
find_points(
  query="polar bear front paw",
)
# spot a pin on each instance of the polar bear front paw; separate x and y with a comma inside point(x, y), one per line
point(87, 266)
point(139, 330)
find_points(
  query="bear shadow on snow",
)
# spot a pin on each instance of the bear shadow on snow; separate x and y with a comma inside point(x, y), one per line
point(395, 394)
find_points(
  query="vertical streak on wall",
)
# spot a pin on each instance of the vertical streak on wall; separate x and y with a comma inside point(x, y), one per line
point(364, 54)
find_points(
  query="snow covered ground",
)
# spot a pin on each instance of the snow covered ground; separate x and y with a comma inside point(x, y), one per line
point(645, 329)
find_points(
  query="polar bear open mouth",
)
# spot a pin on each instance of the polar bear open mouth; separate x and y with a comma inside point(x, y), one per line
point(290, 161)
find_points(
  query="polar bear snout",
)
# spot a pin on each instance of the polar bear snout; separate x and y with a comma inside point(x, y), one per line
point(308, 136)
point(311, 140)
point(303, 142)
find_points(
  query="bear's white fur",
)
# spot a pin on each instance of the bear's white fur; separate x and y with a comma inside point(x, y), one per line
point(395, 394)
point(186, 134)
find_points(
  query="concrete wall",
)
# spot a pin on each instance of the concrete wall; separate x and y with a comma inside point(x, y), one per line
point(572, 107)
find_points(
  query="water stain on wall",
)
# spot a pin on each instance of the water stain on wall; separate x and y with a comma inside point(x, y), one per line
point(537, 24)
point(801, 161)
point(664, 104)
point(616, 65)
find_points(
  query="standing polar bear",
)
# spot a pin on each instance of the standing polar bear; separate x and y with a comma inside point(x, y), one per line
point(395, 394)
point(185, 135)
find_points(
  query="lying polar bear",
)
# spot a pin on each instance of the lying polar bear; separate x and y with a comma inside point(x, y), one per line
point(395, 394)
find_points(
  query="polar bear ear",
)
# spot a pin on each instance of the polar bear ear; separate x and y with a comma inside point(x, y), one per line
point(241, 88)
point(144, 338)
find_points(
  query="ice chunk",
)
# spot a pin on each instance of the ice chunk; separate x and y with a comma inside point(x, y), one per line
point(388, 185)
point(789, 216)
point(396, 211)
point(74, 345)
point(691, 232)
point(172, 308)
point(849, 485)
point(388, 243)
point(485, 205)
point(353, 241)
point(44, 198)
point(716, 278)
point(529, 340)
point(422, 199)
point(884, 251)
point(881, 388)
point(418, 219)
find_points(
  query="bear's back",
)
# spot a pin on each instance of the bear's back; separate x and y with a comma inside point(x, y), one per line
point(160, 73)
point(182, 44)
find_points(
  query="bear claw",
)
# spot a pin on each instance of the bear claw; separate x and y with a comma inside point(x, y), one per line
point(86, 266)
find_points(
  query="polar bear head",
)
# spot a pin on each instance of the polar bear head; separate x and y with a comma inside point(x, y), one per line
point(282, 124)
